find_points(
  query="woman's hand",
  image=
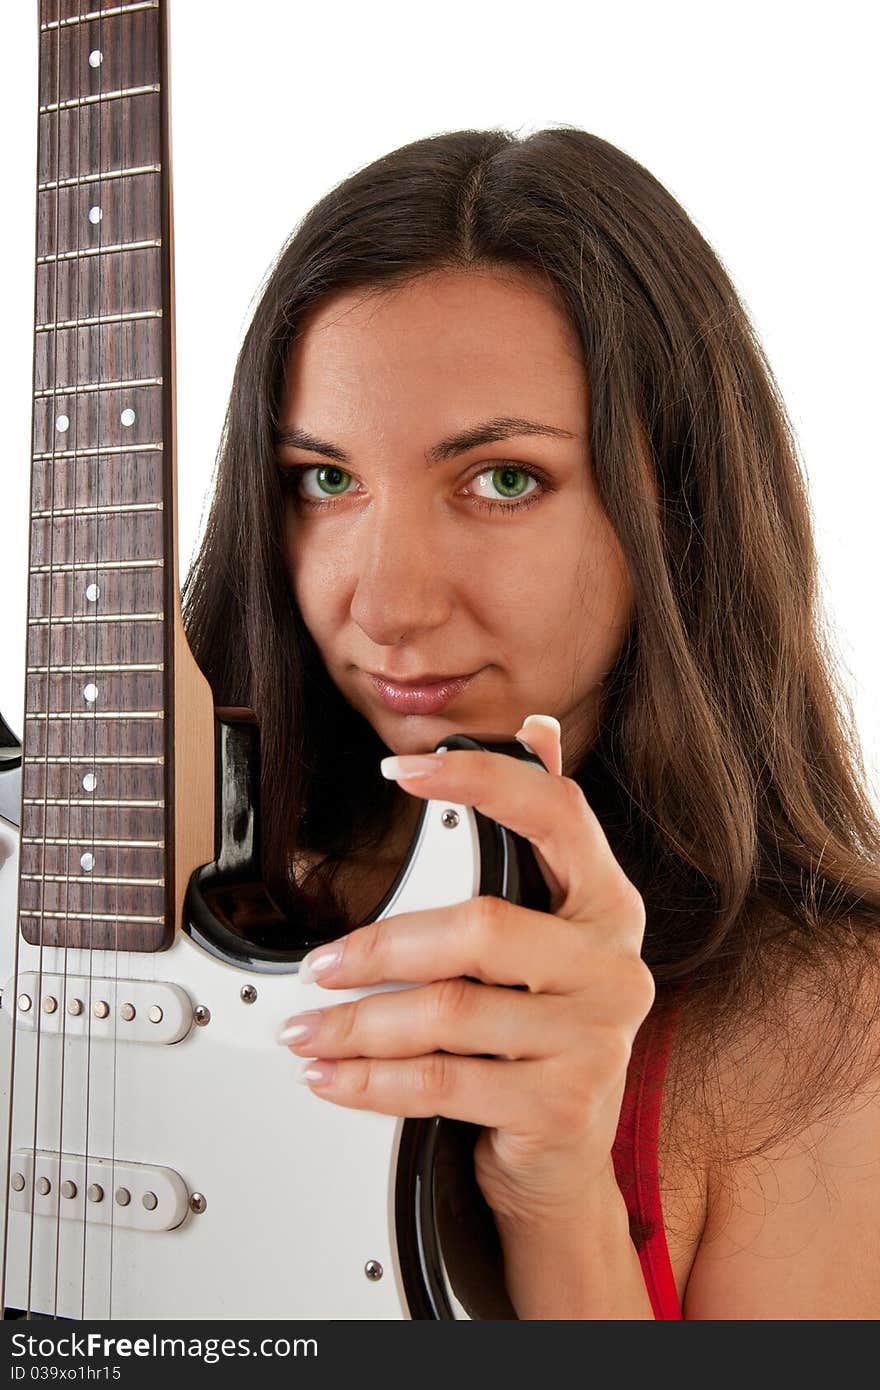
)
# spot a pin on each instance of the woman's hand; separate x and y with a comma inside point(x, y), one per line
point(542, 1069)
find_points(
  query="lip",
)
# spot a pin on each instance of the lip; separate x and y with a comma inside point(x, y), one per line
point(423, 697)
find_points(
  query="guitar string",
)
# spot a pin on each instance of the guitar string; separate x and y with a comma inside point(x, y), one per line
point(91, 724)
point(37, 1004)
point(73, 49)
point(19, 914)
point(125, 129)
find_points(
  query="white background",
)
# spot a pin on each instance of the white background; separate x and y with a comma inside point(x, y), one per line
point(757, 117)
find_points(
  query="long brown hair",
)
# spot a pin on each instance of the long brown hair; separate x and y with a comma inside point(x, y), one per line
point(727, 772)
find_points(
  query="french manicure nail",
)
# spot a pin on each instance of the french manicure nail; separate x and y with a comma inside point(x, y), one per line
point(410, 765)
point(547, 721)
point(317, 1073)
point(299, 1028)
point(318, 962)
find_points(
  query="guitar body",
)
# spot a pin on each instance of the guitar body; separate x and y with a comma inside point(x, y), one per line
point(165, 1162)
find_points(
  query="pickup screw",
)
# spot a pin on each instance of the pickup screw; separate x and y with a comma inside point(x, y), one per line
point(248, 994)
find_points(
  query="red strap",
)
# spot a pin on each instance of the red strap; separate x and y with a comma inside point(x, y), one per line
point(635, 1156)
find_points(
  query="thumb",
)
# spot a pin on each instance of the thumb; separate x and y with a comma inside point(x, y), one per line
point(543, 734)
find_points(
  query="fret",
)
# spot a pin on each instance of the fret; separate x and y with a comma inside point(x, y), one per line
point(99, 618)
point(81, 823)
point(57, 758)
point(76, 102)
point(99, 178)
point(101, 564)
point(100, 14)
point(96, 714)
point(94, 511)
point(112, 844)
point(154, 448)
point(83, 801)
point(90, 916)
point(144, 666)
point(85, 877)
point(98, 386)
point(100, 250)
point(105, 318)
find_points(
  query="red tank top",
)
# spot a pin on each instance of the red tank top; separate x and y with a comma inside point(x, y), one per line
point(635, 1156)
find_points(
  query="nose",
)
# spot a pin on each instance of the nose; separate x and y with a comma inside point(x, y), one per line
point(403, 580)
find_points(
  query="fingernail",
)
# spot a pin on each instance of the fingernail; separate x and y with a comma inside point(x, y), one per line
point(319, 962)
point(317, 1073)
point(299, 1028)
point(410, 765)
point(547, 721)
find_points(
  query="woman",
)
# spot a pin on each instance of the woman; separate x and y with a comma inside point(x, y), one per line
point(500, 413)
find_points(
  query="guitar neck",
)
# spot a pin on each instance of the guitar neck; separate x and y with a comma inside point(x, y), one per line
point(103, 604)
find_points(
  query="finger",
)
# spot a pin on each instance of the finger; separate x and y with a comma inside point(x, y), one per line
point(455, 1015)
point(504, 1095)
point(543, 734)
point(486, 938)
point(550, 811)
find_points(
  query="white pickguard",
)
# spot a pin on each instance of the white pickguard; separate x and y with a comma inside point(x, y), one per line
point(299, 1192)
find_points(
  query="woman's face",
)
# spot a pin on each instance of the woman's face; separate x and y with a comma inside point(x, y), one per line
point(398, 566)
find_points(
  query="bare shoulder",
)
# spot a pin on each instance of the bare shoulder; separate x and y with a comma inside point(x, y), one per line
point(791, 1226)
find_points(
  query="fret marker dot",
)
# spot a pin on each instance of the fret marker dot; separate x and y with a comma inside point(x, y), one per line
point(96, 58)
point(62, 424)
point(92, 592)
point(87, 862)
point(90, 781)
point(95, 215)
point(90, 693)
point(127, 417)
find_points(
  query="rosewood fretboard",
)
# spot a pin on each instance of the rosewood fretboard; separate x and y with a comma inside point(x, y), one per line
point(96, 810)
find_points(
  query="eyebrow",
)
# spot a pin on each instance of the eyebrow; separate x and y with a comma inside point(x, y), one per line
point(489, 432)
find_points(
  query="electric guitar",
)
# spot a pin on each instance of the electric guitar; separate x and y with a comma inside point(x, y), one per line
point(159, 1161)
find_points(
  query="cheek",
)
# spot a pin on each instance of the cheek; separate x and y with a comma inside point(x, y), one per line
point(316, 574)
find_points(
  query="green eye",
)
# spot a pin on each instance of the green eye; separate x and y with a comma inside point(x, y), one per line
point(504, 479)
point(332, 477)
point(508, 481)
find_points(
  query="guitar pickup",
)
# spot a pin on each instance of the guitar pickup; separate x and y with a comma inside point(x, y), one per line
point(139, 1196)
point(142, 1011)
